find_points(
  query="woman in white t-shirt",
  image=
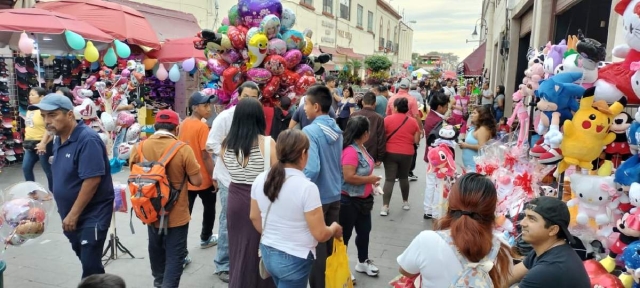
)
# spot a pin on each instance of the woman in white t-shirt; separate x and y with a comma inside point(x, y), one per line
point(468, 224)
point(291, 209)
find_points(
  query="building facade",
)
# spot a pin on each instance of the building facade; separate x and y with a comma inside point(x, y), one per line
point(516, 25)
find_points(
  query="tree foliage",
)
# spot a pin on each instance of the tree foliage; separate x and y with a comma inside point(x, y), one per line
point(378, 63)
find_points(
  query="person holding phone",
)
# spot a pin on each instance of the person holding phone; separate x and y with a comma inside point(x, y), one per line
point(356, 200)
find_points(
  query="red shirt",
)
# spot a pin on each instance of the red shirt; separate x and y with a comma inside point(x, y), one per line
point(413, 103)
point(268, 116)
point(402, 141)
point(504, 128)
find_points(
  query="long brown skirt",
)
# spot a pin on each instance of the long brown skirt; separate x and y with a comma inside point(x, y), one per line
point(244, 241)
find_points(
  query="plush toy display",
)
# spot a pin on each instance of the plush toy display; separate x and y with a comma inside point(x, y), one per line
point(441, 161)
point(522, 113)
point(629, 229)
point(618, 150)
point(594, 196)
point(633, 134)
point(554, 57)
point(634, 196)
point(558, 99)
point(588, 131)
point(448, 135)
point(615, 80)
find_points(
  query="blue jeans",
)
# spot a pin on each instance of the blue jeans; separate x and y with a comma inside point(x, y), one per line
point(166, 254)
point(29, 161)
point(119, 139)
point(222, 255)
point(499, 114)
point(287, 271)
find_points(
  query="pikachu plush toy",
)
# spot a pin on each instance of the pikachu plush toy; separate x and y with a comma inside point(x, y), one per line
point(588, 131)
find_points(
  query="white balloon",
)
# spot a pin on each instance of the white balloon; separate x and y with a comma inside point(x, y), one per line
point(174, 73)
point(107, 122)
point(87, 109)
point(124, 151)
point(133, 133)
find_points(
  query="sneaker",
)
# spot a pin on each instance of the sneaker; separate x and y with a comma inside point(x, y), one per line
point(538, 150)
point(551, 157)
point(186, 262)
point(406, 206)
point(413, 177)
point(212, 241)
point(427, 216)
point(384, 211)
point(367, 267)
point(223, 276)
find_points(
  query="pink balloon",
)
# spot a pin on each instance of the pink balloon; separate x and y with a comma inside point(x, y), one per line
point(276, 47)
point(162, 73)
point(231, 56)
point(225, 21)
point(259, 75)
point(217, 66)
point(292, 58)
point(303, 69)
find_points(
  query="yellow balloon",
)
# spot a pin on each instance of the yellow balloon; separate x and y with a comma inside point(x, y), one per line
point(149, 63)
point(308, 48)
point(91, 53)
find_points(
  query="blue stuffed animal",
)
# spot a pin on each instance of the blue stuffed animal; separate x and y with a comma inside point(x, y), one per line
point(633, 134)
point(558, 99)
point(631, 258)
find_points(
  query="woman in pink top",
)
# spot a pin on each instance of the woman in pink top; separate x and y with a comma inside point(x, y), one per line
point(460, 109)
point(357, 202)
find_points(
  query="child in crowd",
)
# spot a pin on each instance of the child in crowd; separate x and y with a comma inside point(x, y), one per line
point(503, 128)
point(102, 281)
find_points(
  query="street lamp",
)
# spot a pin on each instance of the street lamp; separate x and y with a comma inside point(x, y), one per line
point(474, 35)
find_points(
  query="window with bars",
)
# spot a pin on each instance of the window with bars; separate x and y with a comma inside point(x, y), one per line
point(360, 15)
point(345, 9)
point(307, 2)
point(370, 22)
point(327, 6)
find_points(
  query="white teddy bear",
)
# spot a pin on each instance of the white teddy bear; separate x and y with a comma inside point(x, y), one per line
point(593, 197)
point(634, 196)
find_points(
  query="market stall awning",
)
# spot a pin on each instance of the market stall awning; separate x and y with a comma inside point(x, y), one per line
point(348, 52)
point(474, 63)
point(47, 27)
point(121, 22)
point(168, 24)
point(177, 50)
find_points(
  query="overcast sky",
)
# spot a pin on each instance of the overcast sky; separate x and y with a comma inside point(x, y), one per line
point(442, 25)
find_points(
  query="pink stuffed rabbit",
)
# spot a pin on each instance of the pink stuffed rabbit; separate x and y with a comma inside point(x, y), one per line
point(521, 112)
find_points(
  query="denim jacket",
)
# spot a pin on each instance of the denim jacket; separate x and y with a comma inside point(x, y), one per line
point(363, 169)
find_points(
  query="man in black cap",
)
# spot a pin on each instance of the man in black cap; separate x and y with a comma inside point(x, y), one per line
point(553, 262)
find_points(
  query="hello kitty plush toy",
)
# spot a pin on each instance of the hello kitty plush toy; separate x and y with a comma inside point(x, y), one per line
point(594, 196)
point(614, 80)
point(522, 113)
point(634, 196)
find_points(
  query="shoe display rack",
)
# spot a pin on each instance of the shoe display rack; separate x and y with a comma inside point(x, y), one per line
point(12, 101)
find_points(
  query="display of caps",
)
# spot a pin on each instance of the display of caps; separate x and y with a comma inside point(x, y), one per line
point(11, 158)
point(5, 99)
point(17, 137)
point(19, 68)
point(18, 150)
point(22, 85)
point(5, 110)
point(7, 122)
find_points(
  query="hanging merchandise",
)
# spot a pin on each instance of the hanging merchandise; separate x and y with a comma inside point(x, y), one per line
point(189, 64)
point(162, 73)
point(174, 73)
point(25, 44)
point(149, 63)
point(110, 59)
point(122, 49)
point(74, 40)
point(91, 53)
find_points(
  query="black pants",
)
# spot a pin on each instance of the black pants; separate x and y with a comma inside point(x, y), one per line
point(352, 216)
point(166, 254)
point(88, 244)
point(342, 123)
point(323, 250)
point(208, 198)
point(396, 166)
point(413, 161)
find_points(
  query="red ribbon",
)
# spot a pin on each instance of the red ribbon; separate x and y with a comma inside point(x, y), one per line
point(524, 181)
point(509, 161)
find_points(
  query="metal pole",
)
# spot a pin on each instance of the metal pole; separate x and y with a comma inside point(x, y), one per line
point(398, 55)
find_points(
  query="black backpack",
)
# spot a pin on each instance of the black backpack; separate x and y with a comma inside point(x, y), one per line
point(434, 134)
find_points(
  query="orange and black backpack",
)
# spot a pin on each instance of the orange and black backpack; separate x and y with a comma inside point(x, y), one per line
point(152, 195)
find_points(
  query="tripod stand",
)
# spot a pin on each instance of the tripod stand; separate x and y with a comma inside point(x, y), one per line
point(114, 244)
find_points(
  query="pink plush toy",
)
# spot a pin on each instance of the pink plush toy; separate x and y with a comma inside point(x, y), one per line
point(441, 161)
point(521, 112)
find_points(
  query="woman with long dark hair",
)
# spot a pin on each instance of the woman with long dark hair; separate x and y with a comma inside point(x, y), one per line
point(286, 209)
point(346, 106)
point(38, 144)
point(498, 103)
point(356, 200)
point(245, 160)
point(483, 128)
point(464, 236)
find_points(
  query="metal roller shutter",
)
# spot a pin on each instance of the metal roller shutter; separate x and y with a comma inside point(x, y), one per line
point(564, 5)
point(526, 22)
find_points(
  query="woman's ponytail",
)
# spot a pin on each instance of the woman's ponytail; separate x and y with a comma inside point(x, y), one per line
point(275, 180)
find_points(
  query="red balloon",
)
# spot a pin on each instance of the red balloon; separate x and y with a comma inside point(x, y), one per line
point(237, 38)
point(275, 64)
point(599, 276)
point(289, 78)
point(269, 90)
point(37, 214)
point(231, 79)
point(243, 29)
point(304, 83)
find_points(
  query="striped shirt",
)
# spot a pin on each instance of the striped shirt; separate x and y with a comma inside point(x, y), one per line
point(247, 174)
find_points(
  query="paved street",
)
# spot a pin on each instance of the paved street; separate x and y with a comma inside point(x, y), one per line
point(48, 261)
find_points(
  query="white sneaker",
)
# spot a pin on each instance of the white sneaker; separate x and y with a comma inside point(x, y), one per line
point(384, 211)
point(367, 267)
point(406, 206)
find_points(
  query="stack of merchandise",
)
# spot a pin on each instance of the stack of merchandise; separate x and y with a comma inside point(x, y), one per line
point(10, 134)
point(26, 78)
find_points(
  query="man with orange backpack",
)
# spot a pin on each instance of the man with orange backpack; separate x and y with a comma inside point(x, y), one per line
point(160, 169)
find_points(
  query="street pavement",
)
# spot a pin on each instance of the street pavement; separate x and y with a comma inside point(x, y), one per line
point(48, 261)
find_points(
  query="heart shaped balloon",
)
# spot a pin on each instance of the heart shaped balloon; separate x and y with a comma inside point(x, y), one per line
point(252, 12)
point(289, 78)
point(231, 79)
point(303, 69)
point(269, 90)
point(231, 56)
point(276, 47)
point(304, 83)
point(237, 38)
point(259, 75)
point(275, 64)
point(217, 66)
point(292, 58)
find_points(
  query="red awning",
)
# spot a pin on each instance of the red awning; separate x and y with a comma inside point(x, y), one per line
point(474, 63)
point(168, 24)
point(348, 52)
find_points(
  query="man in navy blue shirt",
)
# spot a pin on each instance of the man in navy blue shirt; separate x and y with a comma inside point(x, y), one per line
point(82, 183)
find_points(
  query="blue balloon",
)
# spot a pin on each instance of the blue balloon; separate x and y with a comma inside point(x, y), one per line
point(95, 65)
point(294, 39)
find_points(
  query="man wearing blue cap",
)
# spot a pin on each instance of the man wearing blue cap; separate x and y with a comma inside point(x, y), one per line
point(82, 185)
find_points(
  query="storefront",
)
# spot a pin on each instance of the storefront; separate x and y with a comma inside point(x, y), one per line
point(524, 42)
point(590, 16)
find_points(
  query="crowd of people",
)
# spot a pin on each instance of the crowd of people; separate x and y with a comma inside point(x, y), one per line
point(285, 194)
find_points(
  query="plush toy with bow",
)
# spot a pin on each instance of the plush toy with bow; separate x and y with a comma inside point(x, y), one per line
point(615, 80)
point(441, 161)
point(522, 113)
point(588, 131)
point(629, 229)
point(558, 99)
point(594, 196)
